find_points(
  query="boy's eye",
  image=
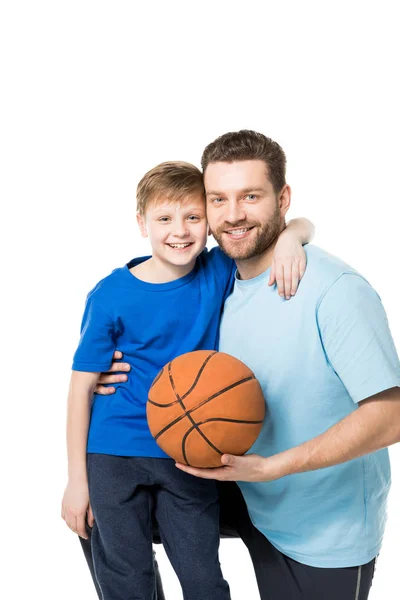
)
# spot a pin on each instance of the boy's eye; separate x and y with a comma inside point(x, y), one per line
point(164, 219)
point(193, 218)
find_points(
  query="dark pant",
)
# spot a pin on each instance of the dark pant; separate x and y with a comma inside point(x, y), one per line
point(125, 493)
point(278, 576)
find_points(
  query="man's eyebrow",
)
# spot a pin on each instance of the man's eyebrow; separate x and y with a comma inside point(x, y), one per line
point(244, 191)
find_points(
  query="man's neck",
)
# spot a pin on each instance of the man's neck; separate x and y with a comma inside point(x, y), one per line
point(252, 267)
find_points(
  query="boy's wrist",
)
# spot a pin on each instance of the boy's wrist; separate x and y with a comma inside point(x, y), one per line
point(77, 473)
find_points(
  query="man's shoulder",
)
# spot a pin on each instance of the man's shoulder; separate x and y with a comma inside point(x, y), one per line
point(325, 269)
point(325, 264)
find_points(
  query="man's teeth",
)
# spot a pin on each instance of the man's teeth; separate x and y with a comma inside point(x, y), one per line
point(179, 245)
point(239, 231)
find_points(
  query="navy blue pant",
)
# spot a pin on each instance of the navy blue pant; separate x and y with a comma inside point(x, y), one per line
point(278, 576)
point(125, 494)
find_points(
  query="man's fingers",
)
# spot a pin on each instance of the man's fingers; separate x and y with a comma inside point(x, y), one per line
point(109, 378)
point(104, 391)
point(220, 473)
point(119, 366)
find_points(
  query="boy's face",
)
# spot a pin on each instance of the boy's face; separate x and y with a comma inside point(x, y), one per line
point(177, 230)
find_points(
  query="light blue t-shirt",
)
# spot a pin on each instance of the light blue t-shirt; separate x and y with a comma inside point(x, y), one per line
point(316, 356)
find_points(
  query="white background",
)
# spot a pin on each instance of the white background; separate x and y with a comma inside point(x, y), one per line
point(96, 93)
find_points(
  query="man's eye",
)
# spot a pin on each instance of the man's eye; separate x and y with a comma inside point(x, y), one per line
point(251, 196)
point(217, 200)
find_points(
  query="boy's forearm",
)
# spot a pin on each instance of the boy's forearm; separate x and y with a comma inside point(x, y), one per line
point(78, 419)
point(302, 228)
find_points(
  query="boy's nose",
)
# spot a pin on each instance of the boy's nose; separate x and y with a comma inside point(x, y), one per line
point(181, 231)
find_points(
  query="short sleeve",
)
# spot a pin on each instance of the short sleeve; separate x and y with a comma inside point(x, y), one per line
point(356, 337)
point(97, 341)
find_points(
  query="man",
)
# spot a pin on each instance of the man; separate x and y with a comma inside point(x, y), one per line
point(317, 480)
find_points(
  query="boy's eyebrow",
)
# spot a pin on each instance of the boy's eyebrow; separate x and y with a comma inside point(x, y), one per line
point(244, 191)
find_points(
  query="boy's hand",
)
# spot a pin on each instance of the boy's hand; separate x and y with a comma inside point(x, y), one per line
point(110, 377)
point(75, 505)
point(288, 264)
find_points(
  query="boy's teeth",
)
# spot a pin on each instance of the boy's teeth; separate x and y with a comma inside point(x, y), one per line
point(179, 245)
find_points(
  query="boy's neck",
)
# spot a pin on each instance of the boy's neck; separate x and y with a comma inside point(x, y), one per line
point(157, 271)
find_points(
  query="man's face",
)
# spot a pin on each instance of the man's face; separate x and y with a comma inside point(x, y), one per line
point(244, 213)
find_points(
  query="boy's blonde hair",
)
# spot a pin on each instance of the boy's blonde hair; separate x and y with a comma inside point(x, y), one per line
point(173, 181)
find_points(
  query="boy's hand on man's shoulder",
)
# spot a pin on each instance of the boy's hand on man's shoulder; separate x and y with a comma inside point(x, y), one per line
point(114, 375)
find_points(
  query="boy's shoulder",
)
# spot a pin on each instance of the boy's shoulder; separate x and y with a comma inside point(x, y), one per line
point(109, 285)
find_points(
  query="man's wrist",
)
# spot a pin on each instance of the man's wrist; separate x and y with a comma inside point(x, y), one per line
point(285, 463)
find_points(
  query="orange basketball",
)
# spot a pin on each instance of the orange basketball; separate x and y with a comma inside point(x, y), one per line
point(204, 404)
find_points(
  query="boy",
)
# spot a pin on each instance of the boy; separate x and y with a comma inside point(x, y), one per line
point(153, 310)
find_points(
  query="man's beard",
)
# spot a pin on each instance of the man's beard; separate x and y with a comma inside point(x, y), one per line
point(262, 238)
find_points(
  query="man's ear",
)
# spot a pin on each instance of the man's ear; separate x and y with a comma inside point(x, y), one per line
point(142, 225)
point(208, 230)
point(284, 199)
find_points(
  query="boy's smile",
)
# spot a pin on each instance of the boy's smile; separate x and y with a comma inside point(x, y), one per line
point(177, 231)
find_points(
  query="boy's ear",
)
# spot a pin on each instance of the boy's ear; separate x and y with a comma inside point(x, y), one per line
point(142, 224)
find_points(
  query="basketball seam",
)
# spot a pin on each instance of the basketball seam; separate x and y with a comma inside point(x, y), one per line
point(225, 420)
point(202, 403)
point(187, 414)
point(190, 390)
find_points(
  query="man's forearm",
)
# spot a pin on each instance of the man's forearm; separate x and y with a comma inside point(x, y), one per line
point(374, 425)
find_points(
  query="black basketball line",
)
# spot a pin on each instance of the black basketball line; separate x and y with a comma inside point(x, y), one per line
point(229, 387)
point(205, 438)
point(230, 421)
point(157, 378)
point(210, 443)
point(189, 391)
point(187, 414)
point(198, 376)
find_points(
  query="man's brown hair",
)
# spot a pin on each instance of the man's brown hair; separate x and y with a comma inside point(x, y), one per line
point(172, 181)
point(248, 145)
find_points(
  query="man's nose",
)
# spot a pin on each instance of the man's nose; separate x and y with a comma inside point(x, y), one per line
point(235, 213)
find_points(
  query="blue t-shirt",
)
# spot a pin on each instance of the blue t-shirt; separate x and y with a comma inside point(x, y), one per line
point(316, 356)
point(151, 324)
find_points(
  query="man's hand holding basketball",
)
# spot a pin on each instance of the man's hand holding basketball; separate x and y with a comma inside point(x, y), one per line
point(249, 467)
